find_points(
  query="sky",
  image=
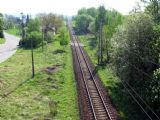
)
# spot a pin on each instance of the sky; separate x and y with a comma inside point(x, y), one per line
point(64, 7)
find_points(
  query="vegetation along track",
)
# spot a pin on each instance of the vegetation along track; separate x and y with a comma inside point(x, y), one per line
point(94, 103)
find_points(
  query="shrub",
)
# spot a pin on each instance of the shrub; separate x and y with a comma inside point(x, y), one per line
point(50, 37)
point(1, 26)
point(35, 36)
point(64, 36)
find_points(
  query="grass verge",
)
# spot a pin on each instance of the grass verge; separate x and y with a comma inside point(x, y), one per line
point(50, 95)
point(13, 31)
point(2, 40)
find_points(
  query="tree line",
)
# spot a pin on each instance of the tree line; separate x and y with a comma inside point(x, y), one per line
point(42, 29)
point(1, 26)
point(100, 22)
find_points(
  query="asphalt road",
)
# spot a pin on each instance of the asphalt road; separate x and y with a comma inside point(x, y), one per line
point(9, 47)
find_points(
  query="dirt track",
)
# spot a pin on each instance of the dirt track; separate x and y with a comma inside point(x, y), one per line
point(9, 47)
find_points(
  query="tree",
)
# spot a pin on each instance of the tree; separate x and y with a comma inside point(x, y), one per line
point(50, 24)
point(82, 23)
point(82, 11)
point(135, 57)
point(114, 19)
point(92, 12)
point(100, 22)
point(153, 8)
point(11, 21)
point(33, 25)
point(64, 36)
point(32, 34)
point(1, 26)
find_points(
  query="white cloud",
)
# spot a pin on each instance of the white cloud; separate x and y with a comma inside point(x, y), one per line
point(65, 7)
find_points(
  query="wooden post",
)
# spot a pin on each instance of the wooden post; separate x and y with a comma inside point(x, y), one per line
point(32, 58)
point(42, 40)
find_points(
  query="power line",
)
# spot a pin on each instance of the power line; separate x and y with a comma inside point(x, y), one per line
point(136, 101)
point(141, 57)
point(142, 100)
point(138, 94)
point(141, 71)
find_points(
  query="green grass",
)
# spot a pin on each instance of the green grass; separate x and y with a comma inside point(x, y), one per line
point(47, 96)
point(127, 109)
point(2, 40)
point(13, 31)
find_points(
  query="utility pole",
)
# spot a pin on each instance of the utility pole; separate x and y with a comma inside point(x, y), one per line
point(42, 39)
point(98, 47)
point(33, 72)
point(23, 25)
point(101, 44)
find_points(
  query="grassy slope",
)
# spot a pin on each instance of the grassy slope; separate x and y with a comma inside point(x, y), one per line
point(2, 40)
point(120, 98)
point(35, 98)
point(13, 31)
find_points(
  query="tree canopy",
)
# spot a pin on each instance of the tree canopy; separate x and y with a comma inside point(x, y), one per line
point(1, 26)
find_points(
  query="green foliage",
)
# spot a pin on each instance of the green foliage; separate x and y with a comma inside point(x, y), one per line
point(33, 99)
point(120, 98)
point(155, 89)
point(50, 22)
point(82, 11)
point(114, 19)
point(135, 55)
point(134, 37)
point(11, 22)
point(64, 36)
point(14, 31)
point(33, 34)
point(1, 26)
point(2, 40)
point(91, 20)
point(92, 12)
point(35, 37)
point(82, 23)
point(153, 9)
point(101, 17)
point(33, 25)
point(50, 37)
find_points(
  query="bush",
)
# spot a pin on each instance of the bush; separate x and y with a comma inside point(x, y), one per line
point(1, 26)
point(50, 37)
point(64, 36)
point(136, 56)
point(35, 36)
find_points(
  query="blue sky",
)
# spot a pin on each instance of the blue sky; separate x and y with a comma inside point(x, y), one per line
point(65, 7)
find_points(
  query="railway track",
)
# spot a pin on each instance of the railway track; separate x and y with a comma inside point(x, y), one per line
point(94, 104)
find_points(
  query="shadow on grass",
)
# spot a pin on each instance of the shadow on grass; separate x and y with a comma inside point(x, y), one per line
point(14, 89)
point(126, 106)
point(59, 51)
point(92, 42)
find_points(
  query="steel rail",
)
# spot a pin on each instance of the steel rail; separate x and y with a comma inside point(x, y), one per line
point(94, 81)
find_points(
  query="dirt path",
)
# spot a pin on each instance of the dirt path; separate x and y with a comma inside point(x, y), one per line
point(9, 47)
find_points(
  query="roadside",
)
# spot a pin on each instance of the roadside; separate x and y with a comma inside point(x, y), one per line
point(2, 40)
point(35, 98)
point(9, 47)
point(50, 95)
